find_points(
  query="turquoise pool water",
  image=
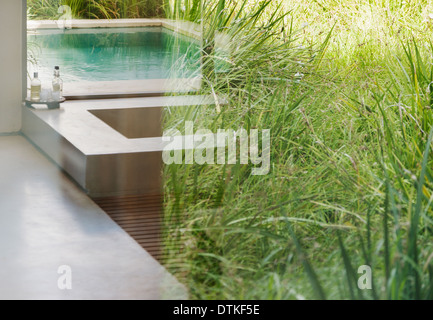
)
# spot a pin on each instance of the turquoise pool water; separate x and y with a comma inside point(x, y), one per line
point(111, 54)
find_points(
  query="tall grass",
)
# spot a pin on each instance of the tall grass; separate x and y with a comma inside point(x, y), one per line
point(97, 9)
point(345, 90)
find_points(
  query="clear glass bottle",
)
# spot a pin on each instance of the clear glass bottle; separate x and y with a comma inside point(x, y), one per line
point(35, 88)
point(57, 84)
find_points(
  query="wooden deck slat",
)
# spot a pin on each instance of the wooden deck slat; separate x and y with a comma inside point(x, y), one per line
point(142, 218)
point(132, 208)
point(133, 229)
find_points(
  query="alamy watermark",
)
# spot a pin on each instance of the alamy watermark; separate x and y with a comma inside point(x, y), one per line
point(65, 280)
point(365, 281)
point(202, 146)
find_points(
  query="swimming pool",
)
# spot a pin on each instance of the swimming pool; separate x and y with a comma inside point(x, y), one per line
point(114, 54)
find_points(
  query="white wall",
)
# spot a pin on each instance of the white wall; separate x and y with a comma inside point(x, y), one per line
point(12, 49)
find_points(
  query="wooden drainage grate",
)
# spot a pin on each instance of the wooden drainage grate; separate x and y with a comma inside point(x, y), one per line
point(140, 217)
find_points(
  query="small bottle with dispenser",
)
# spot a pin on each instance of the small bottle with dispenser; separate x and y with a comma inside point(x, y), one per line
point(35, 88)
point(57, 85)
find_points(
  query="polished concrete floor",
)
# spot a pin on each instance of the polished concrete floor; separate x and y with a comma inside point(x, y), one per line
point(46, 222)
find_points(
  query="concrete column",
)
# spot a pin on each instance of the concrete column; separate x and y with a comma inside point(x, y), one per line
point(13, 52)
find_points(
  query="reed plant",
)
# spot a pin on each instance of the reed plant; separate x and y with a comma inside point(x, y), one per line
point(346, 92)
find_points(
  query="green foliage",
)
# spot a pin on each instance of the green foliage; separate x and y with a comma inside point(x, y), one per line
point(96, 9)
point(351, 174)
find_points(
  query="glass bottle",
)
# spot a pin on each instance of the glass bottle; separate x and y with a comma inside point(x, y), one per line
point(35, 88)
point(57, 84)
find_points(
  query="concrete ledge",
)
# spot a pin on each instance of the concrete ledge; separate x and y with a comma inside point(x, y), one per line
point(187, 28)
point(127, 88)
point(94, 23)
point(100, 159)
